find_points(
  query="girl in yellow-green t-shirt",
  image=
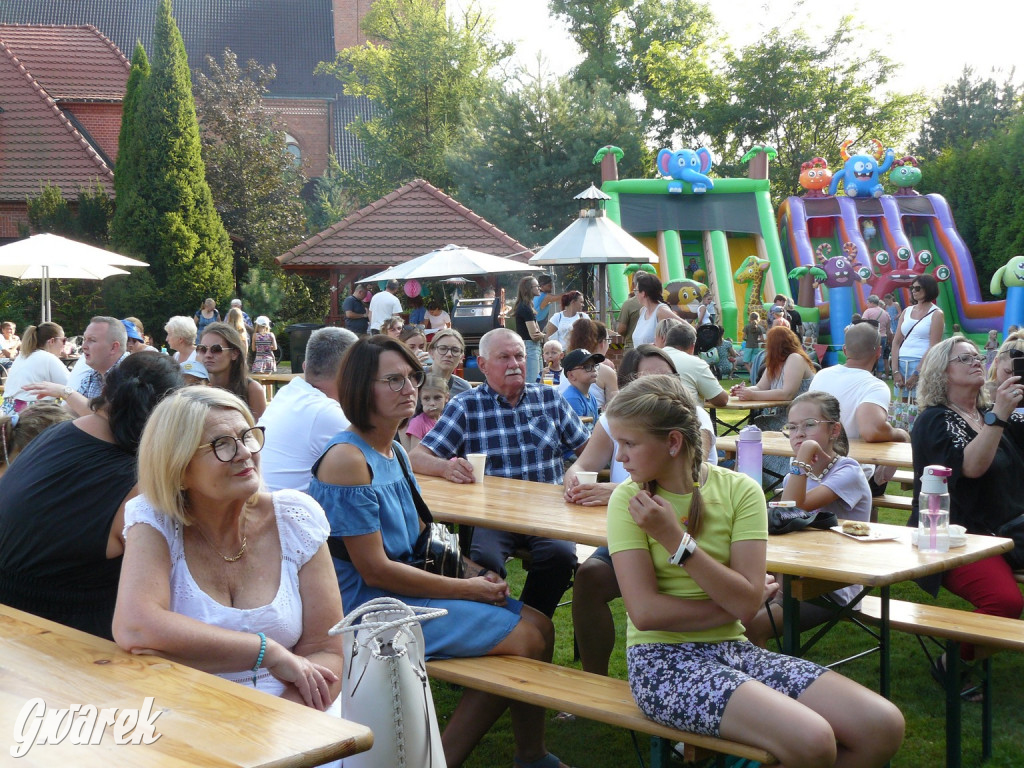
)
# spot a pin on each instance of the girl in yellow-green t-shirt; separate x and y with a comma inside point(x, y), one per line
point(688, 542)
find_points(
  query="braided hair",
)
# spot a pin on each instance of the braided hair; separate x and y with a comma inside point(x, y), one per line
point(659, 404)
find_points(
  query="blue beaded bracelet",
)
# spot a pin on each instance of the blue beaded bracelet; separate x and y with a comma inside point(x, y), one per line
point(259, 659)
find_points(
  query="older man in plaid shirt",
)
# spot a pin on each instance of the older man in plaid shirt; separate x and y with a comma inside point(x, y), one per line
point(525, 429)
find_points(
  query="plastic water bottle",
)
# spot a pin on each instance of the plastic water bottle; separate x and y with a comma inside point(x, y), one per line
point(749, 452)
point(933, 505)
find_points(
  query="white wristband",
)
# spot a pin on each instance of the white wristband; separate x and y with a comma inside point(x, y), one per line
point(687, 545)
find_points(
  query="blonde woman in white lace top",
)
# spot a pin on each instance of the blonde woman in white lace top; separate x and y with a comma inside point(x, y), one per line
point(218, 574)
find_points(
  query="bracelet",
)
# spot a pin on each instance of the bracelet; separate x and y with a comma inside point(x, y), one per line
point(807, 468)
point(259, 659)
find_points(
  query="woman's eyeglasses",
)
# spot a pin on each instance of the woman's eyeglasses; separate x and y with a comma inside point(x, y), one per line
point(215, 349)
point(445, 350)
point(397, 383)
point(916, 288)
point(804, 426)
point(968, 359)
point(225, 447)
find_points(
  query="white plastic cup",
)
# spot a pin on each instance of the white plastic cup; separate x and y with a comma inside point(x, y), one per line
point(586, 478)
point(479, 462)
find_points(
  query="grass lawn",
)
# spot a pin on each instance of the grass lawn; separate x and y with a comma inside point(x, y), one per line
point(592, 745)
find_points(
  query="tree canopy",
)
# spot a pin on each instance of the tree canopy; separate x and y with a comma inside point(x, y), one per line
point(422, 71)
point(529, 149)
point(255, 185)
point(805, 96)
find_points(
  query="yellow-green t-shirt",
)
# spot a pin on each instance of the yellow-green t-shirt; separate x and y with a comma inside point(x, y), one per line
point(734, 510)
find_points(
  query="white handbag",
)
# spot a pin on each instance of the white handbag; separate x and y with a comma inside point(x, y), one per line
point(385, 687)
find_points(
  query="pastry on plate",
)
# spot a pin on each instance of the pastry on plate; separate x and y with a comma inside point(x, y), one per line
point(856, 528)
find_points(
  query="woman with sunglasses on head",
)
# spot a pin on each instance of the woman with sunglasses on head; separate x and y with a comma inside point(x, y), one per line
point(39, 361)
point(364, 481)
point(688, 542)
point(824, 479)
point(222, 352)
point(219, 574)
point(985, 449)
point(919, 328)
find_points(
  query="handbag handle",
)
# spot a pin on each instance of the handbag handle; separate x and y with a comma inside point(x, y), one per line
point(412, 614)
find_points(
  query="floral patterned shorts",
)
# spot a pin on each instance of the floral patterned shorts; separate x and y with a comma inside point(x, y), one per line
point(688, 685)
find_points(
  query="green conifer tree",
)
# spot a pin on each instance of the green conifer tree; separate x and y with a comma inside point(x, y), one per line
point(168, 217)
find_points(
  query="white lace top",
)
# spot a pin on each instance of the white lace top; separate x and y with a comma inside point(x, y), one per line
point(302, 527)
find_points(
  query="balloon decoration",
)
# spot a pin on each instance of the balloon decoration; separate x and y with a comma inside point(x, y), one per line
point(412, 288)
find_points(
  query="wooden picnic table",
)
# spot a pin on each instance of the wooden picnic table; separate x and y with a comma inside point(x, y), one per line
point(272, 381)
point(884, 454)
point(202, 719)
point(812, 561)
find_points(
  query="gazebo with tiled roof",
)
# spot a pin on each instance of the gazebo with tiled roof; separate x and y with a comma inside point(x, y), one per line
point(407, 223)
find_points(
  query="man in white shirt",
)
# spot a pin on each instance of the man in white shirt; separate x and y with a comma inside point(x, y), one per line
point(696, 374)
point(863, 399)
point(305, 414)
point(384, 305)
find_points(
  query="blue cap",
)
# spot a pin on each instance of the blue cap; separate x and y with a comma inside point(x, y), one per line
point(195, 368)
point(132, 331)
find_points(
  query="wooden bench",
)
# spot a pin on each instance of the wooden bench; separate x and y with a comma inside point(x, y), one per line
point(892, 501)
point(905, 477)
point(565, 689)
point(954, 627)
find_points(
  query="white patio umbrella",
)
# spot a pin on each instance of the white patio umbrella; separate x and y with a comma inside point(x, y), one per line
point(46, 256)
point(451, 261)
point(594, 239)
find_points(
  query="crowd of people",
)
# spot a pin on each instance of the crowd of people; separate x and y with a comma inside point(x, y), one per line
point(231, 534)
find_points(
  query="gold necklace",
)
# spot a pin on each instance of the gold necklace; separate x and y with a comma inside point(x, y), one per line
point(224, 557)
point(973, 418)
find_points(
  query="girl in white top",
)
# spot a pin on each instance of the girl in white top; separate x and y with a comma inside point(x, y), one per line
point(560, 324)
point(37, 362)
point(652, 309)
point(707, 312)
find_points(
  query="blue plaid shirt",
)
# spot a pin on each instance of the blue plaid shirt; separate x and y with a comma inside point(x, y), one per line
point(524, 441)
point(92, 384)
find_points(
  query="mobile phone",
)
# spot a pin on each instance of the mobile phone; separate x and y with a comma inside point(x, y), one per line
point(1017, 366)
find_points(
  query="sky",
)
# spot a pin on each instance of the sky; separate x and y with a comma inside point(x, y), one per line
point(932, 44)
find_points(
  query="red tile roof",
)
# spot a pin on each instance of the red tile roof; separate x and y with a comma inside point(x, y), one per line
point(407, 223)
point(72, 63)
point(38, 143)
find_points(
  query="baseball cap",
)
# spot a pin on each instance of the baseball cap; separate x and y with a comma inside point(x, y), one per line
point(132, 331)
point(580, 357)
point(263, 320)
point(775, 309)
point(194, 368)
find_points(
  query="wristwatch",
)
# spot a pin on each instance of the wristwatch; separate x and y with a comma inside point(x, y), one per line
point(687, 546)
point(994, 421)
point(68, 391)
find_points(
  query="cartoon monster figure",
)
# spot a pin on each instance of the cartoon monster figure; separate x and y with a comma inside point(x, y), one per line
point(1011, 275)
point(905, 174)
point(684, 296)
point(897, 273)
point(860, 173)
point(815, 176)
point(838, 273)
point(686, 165)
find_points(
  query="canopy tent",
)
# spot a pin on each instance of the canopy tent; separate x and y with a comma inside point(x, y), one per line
point(46, 256)
point(594, 239)
point(451, 261)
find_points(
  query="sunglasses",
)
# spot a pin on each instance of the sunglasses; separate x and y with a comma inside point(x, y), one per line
point(215, 349)
point(916, 288)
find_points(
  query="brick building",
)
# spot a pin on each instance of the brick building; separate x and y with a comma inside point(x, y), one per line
point(60, 114)
point(293, 35)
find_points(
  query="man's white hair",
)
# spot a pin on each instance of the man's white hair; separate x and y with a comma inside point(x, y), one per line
point(236, 302)
point(492, 336)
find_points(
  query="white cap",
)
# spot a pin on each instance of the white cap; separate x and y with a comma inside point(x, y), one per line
point(934, 479)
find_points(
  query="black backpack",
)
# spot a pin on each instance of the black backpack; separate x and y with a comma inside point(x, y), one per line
point(708, 337)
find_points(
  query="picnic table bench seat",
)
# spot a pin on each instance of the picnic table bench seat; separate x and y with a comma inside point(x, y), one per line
point(595, 697)
point(955, 627)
